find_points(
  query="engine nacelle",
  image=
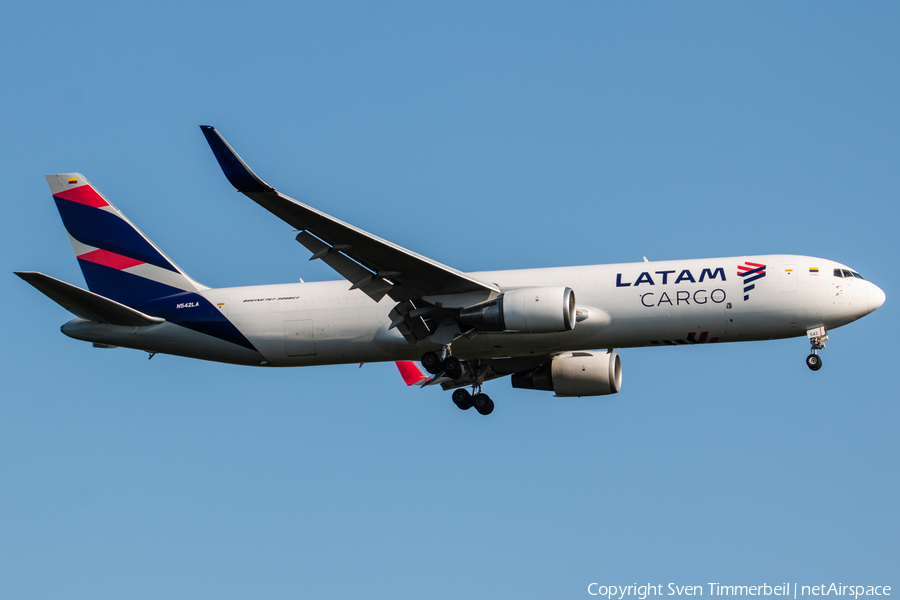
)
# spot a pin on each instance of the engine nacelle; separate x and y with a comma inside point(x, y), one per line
point(529, 310)
point(575, 374)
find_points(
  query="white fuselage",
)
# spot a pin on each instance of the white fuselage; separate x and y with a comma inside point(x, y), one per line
point(620, 305)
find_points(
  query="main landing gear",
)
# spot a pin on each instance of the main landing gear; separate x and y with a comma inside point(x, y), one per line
point(452, 367)
point(816, 337)
point(464, 400)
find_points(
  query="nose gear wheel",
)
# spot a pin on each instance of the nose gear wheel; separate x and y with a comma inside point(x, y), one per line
point(816, 337)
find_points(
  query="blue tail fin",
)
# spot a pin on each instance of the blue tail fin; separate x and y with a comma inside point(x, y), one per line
point(117, 260)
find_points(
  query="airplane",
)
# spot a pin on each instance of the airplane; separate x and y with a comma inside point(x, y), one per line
point(550, 329)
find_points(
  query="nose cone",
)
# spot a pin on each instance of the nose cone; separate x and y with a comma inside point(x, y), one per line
point(876, 297)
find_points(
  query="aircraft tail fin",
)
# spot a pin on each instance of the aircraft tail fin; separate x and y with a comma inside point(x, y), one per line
point(410, 372)
point(117, 260)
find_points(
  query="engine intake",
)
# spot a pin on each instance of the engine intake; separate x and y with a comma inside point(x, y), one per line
point(529, 310)
point(575, 374)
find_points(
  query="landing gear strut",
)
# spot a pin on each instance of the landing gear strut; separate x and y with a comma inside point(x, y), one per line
point(816, 337)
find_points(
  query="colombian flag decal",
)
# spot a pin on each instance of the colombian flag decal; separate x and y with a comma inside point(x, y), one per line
point(814, 269)
point(72, 180)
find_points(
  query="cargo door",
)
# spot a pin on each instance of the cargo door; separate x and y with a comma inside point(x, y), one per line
point(299, 339)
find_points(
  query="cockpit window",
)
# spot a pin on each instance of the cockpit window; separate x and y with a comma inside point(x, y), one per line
point(848, 273)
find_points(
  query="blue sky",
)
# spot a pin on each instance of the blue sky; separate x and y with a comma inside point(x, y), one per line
point(485, 136)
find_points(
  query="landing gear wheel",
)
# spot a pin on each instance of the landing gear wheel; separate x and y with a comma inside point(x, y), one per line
point(814, 362)
point(483, 403)
point(462, 398)
point(432, 362)
point(452, 367)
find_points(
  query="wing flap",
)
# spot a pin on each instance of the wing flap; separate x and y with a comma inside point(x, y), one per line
point(361, 278)
point(85, 304)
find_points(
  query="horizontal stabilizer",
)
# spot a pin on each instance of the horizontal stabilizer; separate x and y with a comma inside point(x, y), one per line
point(85, 304)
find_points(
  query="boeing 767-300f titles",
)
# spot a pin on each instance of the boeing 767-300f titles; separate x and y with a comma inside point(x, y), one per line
point(541, 326)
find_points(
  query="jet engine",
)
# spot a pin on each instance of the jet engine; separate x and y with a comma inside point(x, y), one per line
point(529, 310)
point(575, 374)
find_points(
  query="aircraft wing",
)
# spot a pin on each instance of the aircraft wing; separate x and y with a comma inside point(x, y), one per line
point(369, 263)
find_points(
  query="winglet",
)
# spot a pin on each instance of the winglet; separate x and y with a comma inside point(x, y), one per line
point(410, 372)
point(235, 169)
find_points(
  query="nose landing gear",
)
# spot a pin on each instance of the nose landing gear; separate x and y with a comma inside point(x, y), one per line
point(816, 337)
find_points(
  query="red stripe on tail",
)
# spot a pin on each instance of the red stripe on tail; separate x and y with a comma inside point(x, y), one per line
point(110, 259)
point(83, 194)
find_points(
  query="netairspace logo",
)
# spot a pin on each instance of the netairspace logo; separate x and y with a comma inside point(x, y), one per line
point(641, 592)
